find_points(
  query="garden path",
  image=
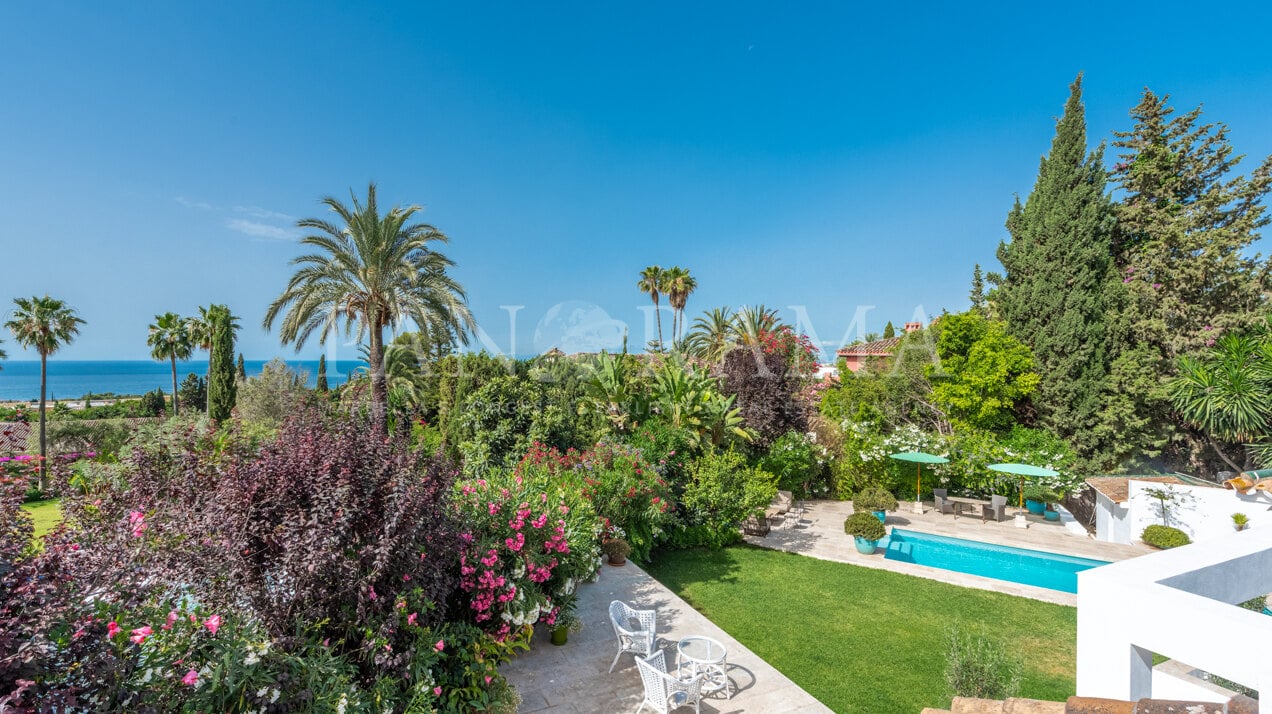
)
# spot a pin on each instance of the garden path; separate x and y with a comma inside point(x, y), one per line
point(575, 678)
point(820, 534)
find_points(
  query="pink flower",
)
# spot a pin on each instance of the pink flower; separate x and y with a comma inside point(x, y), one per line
point(190, 678)
point(212, 623)
point(140, 634)
point(113, 629)
point(488, 679)
point(172, 617)
point(371, 594)
point(410, 619)
point(494, 508)
point(137, 520)
point(437, 691)
point(440, 645)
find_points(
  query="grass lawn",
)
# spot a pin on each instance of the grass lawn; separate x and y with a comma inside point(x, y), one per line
point(46, 514)
point(866, 640)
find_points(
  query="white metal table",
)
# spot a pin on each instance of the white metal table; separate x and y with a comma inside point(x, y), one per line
point(707, 658)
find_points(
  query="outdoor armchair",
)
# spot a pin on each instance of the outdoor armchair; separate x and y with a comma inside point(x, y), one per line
point(663, 691)
point(997, 509)
point(636, 630)
point(943, 505)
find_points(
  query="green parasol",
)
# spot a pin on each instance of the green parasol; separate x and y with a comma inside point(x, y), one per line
point(918, 458)
point(1023, 470)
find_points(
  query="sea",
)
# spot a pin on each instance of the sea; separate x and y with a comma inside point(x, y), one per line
point(72, 379)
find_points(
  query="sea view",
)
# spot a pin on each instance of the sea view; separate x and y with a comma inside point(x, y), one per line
point(72, 379)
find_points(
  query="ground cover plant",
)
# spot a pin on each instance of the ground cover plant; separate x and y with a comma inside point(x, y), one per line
point(865, 640)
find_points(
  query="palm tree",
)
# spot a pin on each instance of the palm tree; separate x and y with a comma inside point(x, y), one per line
point(374, 271)
point(712, 335)
point(651, 283)
point(43, 324)
point(678, 284)
point(752, 324)
point(169, 339)
point(1227, 394)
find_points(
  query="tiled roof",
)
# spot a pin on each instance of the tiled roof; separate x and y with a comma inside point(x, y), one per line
point(877, 348)
point(1117, 488)
point(13, 436)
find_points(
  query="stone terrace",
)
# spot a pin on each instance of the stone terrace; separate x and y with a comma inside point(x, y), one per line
point(575, 677)
point(820, 534)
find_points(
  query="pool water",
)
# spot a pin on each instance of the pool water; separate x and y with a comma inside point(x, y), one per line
point(1001, 562)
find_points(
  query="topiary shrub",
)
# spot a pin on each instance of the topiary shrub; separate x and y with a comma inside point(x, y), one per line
point(1164, 537)
point(863, 524)
point(874, 499)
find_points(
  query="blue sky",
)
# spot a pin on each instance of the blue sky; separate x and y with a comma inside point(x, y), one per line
point(155, 155)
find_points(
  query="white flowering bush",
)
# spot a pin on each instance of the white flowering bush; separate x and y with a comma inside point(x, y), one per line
point(865, 462)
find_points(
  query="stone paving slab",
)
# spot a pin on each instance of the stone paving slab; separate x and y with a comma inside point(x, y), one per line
point(574, 678)
point(820, 534)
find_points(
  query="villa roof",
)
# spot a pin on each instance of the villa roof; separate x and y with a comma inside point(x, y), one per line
point(1117, 488)
point(13, 436)
point(878, 348)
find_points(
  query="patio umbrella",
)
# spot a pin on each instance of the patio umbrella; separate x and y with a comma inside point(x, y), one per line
point(1023, 471)
point(918, 458)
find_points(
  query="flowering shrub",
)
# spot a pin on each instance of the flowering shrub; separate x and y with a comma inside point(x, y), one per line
point(797, 461)
point(317, 565)
point(626, 491)
point(530, 539)
point(795, 348)
point(864, 461)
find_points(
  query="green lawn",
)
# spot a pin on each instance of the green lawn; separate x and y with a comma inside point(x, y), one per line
point(46, 514)
point(865, 640)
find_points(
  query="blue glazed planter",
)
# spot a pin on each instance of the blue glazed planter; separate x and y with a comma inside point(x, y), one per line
point(865, 546)
point(1051, 515)
point(1035, 507)
point(881, 515)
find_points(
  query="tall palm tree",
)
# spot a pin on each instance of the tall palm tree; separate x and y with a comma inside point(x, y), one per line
point(712, 335)
point(752, 323)
point(651, 283)
point(43, 324)
point(678, 284)
point(373, 271)
point(169, 339)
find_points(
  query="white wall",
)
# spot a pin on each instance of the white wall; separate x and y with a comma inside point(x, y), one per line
point(1203, 513)
point(1112, 520)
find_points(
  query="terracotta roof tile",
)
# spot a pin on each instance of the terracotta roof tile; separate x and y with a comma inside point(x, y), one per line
point(877, 348)
point(1117, 488)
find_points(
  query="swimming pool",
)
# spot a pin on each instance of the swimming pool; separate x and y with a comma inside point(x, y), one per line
point(1017, 565)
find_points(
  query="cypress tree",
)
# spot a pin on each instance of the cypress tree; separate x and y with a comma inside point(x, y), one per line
point(1054, 295)
point(221, 387)
point(240, 370)
point(322, 374)
point(977, 293)
point(889, 330)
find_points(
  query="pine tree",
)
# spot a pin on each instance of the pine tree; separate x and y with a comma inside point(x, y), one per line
point(889, 331)
point(240, 370)
point(322, 374)
point(977, 293)
point(221, 386)
point(1054, 293)
point(1184, 268)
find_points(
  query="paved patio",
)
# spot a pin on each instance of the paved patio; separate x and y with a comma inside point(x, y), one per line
point(820, 534)
point(575, 677)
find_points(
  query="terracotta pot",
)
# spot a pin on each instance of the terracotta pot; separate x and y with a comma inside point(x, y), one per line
point(618, 560)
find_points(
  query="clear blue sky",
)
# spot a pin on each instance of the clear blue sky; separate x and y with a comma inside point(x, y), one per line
point(154, 156)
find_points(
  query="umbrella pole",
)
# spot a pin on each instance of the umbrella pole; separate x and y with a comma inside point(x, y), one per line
point(918, 478)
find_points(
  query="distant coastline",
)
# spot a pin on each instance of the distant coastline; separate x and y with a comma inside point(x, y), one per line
point(72, 379)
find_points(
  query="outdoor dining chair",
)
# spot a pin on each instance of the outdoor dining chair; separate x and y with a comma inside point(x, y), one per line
point(997, 509)
point(663, 691)
point(943, 504)
point(636, 630)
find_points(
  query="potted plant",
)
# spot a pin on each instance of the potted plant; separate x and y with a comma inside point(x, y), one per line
point(567, 622)
point(876, 500)
point(617, 549)
point(1037, 498)
point(1240, 521)
point(866, 531)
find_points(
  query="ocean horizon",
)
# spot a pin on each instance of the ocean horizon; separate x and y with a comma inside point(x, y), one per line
point(70, 380)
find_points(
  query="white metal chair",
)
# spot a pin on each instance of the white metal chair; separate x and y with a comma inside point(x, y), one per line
point(665, 692)
point(636, 630)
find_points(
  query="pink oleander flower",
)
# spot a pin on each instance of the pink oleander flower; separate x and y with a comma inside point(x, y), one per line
point(441, 644)
point(190, 678)
point(410, 619)
point(494, 508)
point(371, 594)
point(172, 617)
point(212, 623)
point(437, 691)
point(140, 634)
point(113, 629)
